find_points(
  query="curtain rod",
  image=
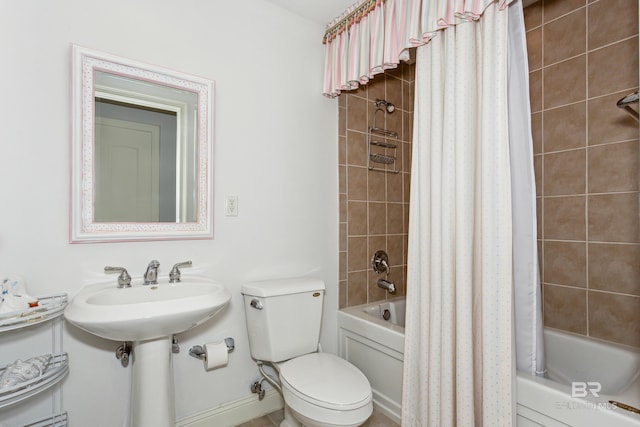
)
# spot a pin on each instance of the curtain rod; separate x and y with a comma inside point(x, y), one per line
point(343, 23)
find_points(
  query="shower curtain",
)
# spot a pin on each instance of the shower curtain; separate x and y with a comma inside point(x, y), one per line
point(526, 273)
point(471, 255)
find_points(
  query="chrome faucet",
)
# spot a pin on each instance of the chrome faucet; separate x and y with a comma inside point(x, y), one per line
point(388, 285)
point(380, 264)
point(151, 275)
point(174, 275)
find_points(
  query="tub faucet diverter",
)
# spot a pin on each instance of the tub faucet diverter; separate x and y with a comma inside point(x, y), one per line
point(380, 264)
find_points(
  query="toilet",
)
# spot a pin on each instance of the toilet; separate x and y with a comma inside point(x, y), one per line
point(283, 323)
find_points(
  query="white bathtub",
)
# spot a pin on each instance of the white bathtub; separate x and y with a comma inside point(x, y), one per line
point(376, 346)
point(613, 369)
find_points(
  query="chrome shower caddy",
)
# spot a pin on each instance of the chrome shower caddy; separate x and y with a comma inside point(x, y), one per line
point(382, 146)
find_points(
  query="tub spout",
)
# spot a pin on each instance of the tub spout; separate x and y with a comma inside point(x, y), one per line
point(389, 286)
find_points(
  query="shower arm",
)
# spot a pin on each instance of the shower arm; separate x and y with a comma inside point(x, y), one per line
point(385, 107)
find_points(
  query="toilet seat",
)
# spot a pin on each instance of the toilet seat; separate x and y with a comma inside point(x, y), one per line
point(326, 388)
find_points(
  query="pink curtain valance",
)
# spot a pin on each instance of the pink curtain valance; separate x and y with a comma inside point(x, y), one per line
point(374, 35)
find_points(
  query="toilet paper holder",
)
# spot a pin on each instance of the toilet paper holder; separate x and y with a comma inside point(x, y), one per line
point(197, 351)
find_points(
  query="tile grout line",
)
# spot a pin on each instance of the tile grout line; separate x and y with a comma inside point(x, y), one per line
point(542, 192)
point(367, 127)
point(602, 291)
point(346, 199)
point(586, 170)
point(585, 53)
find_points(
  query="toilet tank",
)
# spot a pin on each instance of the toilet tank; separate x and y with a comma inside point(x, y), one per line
point(283, 317)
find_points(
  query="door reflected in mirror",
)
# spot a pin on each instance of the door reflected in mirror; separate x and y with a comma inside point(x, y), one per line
point(141, 162)
point(145, 161)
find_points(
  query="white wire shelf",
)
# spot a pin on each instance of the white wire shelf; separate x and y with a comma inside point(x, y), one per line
point(55, 371)
point(49, 307)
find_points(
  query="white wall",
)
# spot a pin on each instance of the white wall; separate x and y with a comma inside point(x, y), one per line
point(275, 148)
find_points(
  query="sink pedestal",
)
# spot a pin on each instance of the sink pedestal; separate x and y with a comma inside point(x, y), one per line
point(152, 398)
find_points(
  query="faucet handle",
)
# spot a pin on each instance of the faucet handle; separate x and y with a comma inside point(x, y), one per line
point(380, 262)
point(174, 274)
point(124, 279)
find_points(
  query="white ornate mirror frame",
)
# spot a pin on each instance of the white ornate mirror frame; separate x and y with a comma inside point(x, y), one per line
point(83, 227)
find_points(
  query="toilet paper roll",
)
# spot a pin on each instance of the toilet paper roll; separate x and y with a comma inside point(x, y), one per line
point(216, 355)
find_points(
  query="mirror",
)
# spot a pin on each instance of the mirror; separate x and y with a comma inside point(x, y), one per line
point(141, 155)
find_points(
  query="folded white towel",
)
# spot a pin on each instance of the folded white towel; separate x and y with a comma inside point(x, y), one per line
point(21, 371)
point(13, 295)
point(12, 303)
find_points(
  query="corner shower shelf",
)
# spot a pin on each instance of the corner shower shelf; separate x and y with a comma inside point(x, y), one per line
point(49, 308)
point(55, 371)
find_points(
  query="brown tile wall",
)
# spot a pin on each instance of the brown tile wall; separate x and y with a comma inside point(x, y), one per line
point(374, 205)
point(583, 57)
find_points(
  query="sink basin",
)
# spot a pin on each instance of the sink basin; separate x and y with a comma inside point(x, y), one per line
point(145, 312)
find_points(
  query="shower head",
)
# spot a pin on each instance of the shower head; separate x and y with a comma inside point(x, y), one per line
point(387, 105)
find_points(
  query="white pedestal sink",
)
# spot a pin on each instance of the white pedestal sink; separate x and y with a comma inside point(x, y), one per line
point(148, 316)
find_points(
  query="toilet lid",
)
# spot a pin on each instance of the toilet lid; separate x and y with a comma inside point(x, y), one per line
point(326, 380)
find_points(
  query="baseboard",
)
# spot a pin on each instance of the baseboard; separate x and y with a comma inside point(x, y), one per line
point(390, 411)
point(233, 413)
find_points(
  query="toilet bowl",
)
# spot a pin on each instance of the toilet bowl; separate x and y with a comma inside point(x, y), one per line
point(323, 390)
point(319, 389)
